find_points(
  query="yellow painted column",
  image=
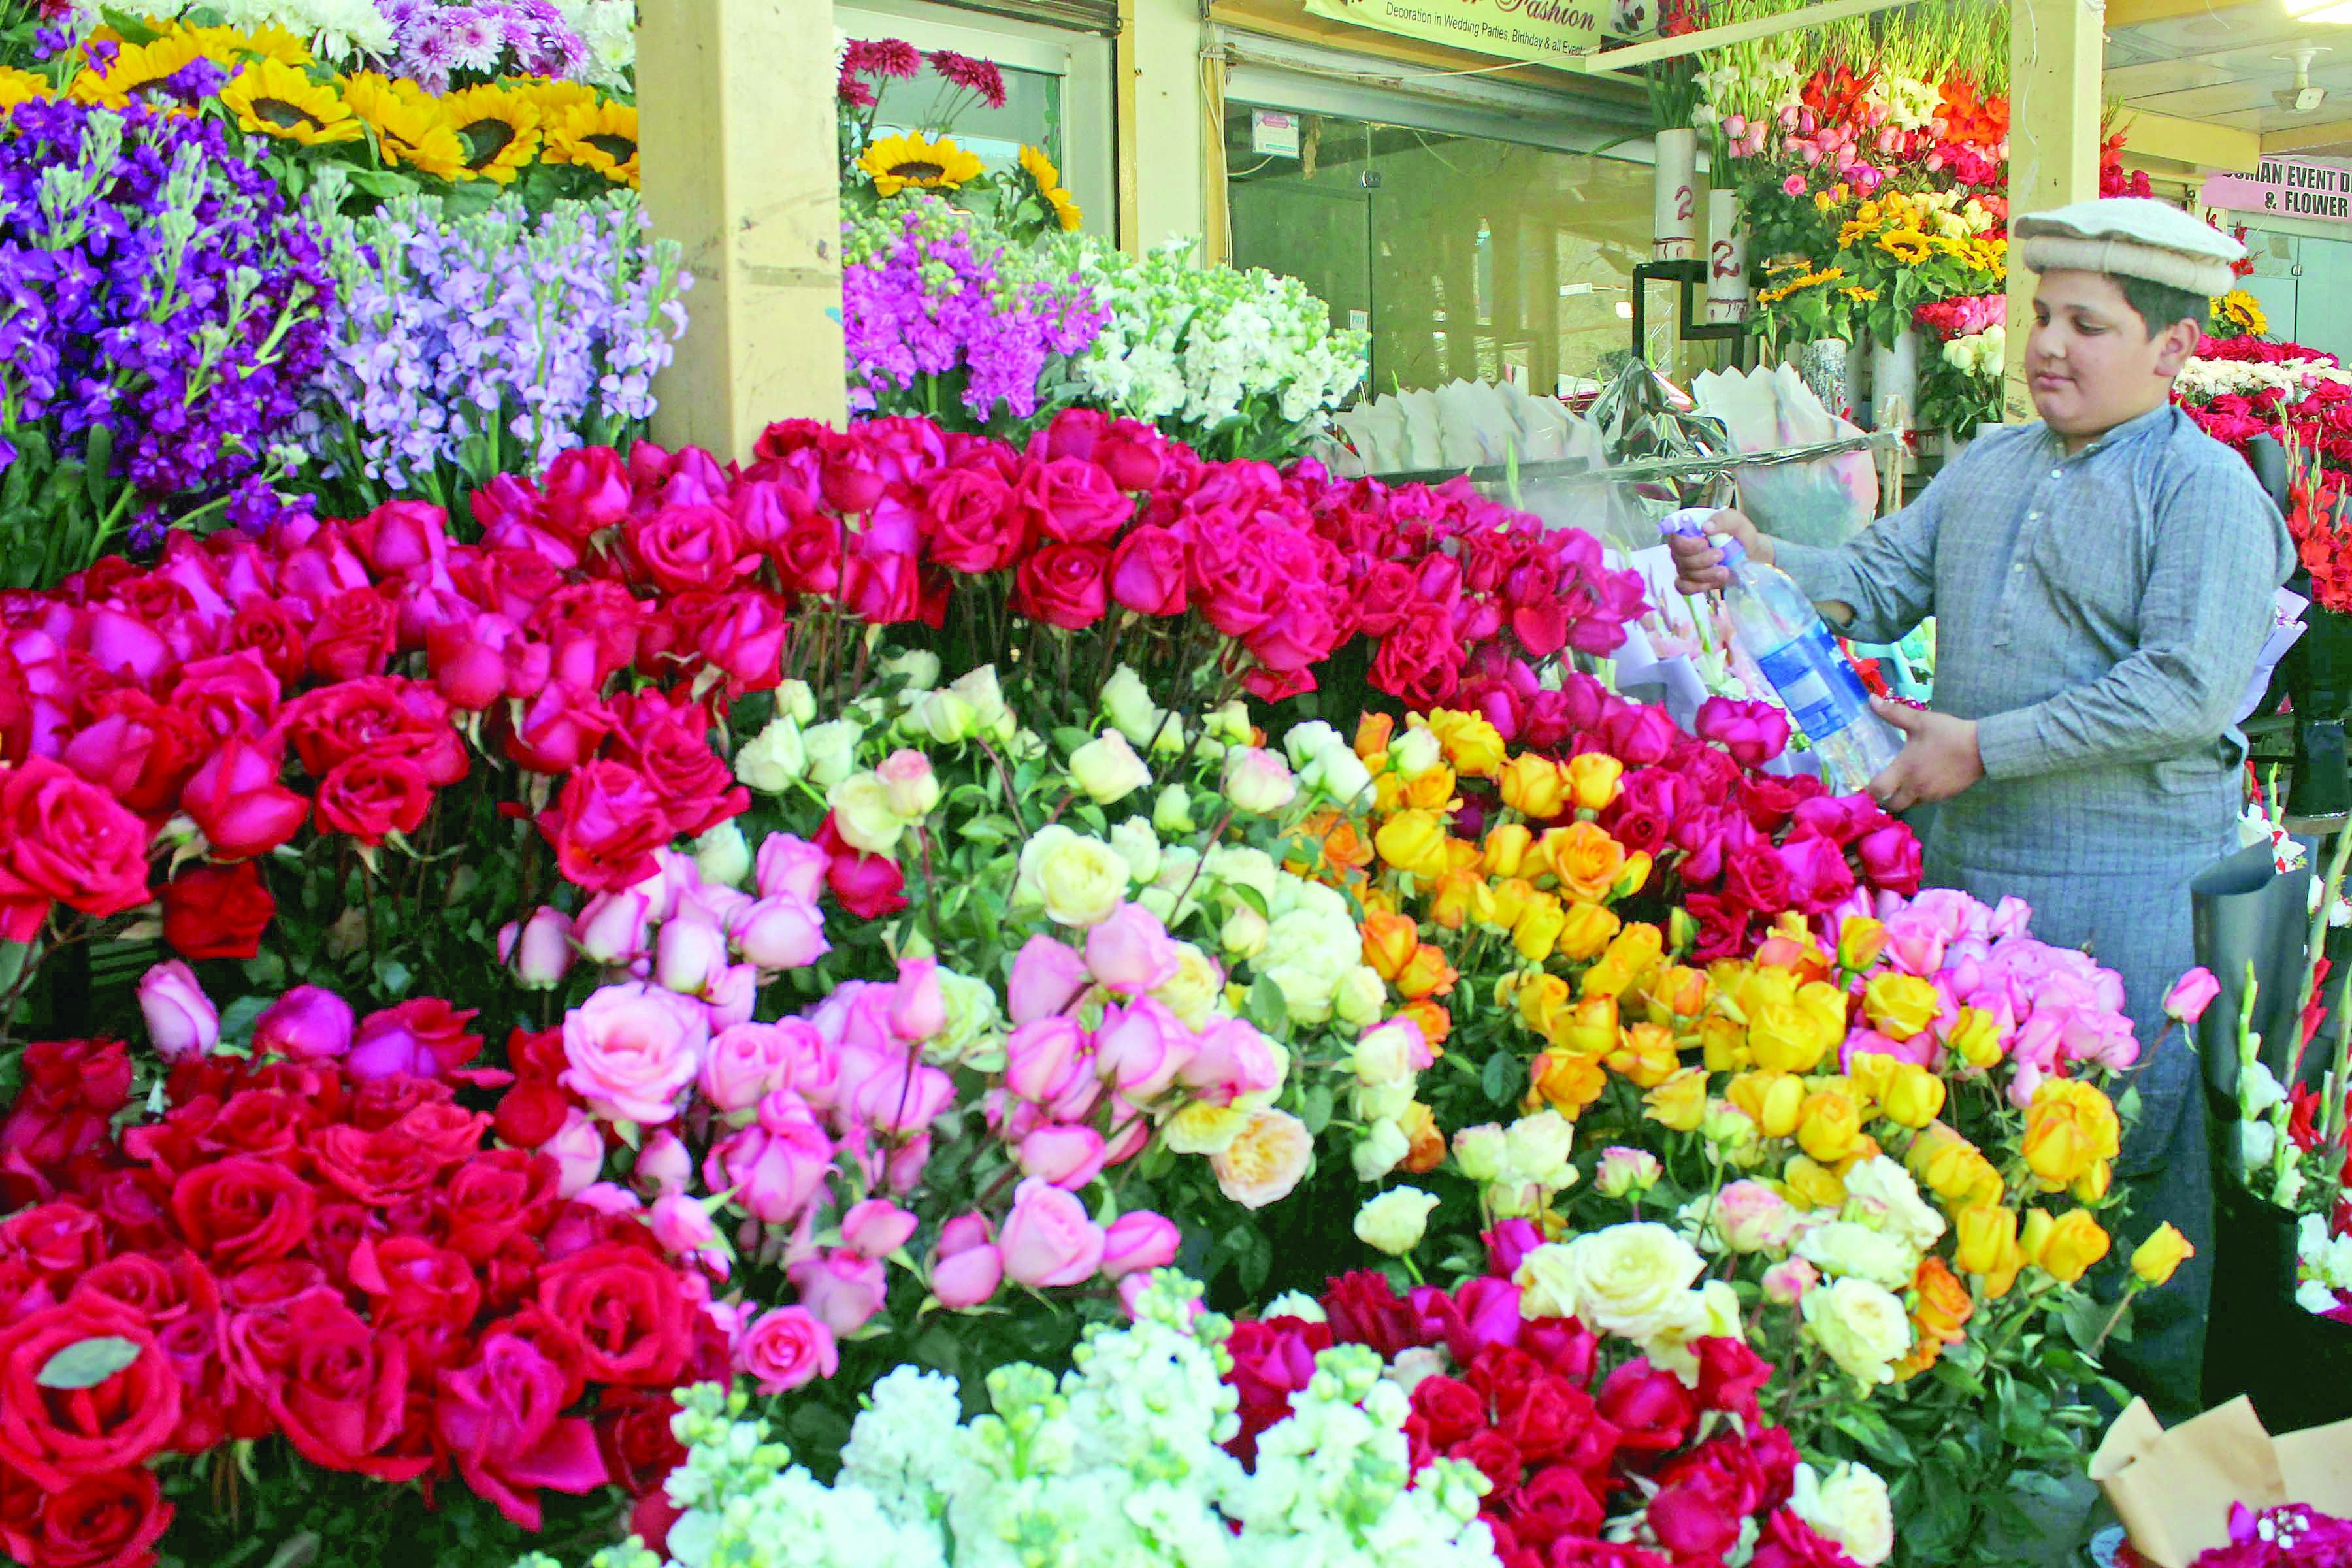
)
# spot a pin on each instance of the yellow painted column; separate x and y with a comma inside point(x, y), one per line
point(736, 144)
point(2054, 48)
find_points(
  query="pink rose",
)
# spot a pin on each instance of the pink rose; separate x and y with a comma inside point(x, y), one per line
point(781, 931)
point(774, 1165)
point(664, 1166)
point(1044, 1057)
point(731, 996)
point(1048, 1240)
point(1139, 1241)
point(578, 1151)
point(784, 1348)
point(966, 1267)
point(2191, 994)
point(631, 1049)
point(918, 1008)
point(1890, 858)
point(1047, 976)
point(181, 1019)
point(1068, 1157)
point(681, 1224)
point(749, 1061)
point(1141, 1047)
point(841, 1288)
point(875, 1228)
point(1915, 946)
point(540, 948)
point(1131, 951)
point(306, 1023)
point(611, 928)
point(1232, 1060)
point(786, 865)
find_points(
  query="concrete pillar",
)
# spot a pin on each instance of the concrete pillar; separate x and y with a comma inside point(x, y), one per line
point(1163, 124)
point(736, 144)
point(2054, 48)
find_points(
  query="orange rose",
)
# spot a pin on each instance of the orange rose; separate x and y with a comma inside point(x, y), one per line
point(1944, 1304)
point(1389, 943)
point(1425, 973)
point(1453, 900)
point(1436, 1022)
point(1586, 930)
point(1645, 1056)
point(1373, 731)
point(1678, 991)
point(1343, 846)
point(1564, 1081)
point(1585, 859)
point(1428, 1145)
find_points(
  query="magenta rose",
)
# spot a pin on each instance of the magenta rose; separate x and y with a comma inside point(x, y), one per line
point(1072, 500)
point(784, 1348)
point(1064, 585)
point(1147, 572)
point(970, 520)
point(502, 1419)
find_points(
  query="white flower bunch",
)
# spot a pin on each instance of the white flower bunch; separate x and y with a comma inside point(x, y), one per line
point(2202, 380)
point(2324, 1264)
point(1200, 349)
point(1909, 103)
point(609, 28)
point(1978, 354)
point(1116, 1464)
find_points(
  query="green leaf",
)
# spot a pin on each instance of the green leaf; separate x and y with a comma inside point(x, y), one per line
point(86, 1363)
point(1265, 1006)
point(1314, 1109)
point(1070, 738)
point(237, 1018)
point(1249, 895)
point(393, 974)
point(1498, 1075)
point(98, 460)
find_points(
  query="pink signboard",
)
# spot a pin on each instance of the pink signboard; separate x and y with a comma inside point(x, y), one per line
point(2285, 187)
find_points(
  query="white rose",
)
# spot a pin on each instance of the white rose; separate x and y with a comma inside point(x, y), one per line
point(1139, 846)
point(1293, 1304)
point(919, 666)
point(991, 717)
point(1881, 1194)
point(1244, 933)
point(1127, 703)
point(1624, 1281)
point(1415, 1365)
point(1394, 1222)
point(1305, 742)
point(773, 758)
point(831, 748)
point(721, 856)
point(1536, 1149)
point(974, 1036)
point(1480, 1151)
point(1849, 1507)
point(794, 698)
point(1257, 782)
point(1861, 1326)
point(1172, 812)
point(1380, 1150)
point(1856, 1251)
point(1380, 1101)
point(1079, 881)
point(862, 814)
point(1414, 752)
point(1339, 774)
point(1360, 997)
point(1239, 865)
point(1108, 769)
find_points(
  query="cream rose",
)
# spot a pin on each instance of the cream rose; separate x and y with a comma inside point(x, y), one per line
point(1628, 1280)
point(1393, 1222)
point(1858, 1252)
point(1139, 846)
point(1881, 1194)
point(1536, 1149)
point(1380, 1150)
point(1259, 781)
point(1860, 1326)
point(863, 815)
point(1197, 989)
point(1127, 703)
point(1172, 812)
point(1414, 752)
point(1077, 879)
point(1849, 1507)
point(1709, 1312)
point(720, 856)
point(1108, 769)
point(1265, 1159)
point(773, 758)
point(1480, 1151)
point(831, 748)
point(1360, 997)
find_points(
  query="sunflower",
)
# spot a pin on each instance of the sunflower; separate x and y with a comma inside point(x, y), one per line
point(1048, 181)
point(230, 44)
point(136, 71)
point(21, 87)
point(2241, 311)
point(409, 127)
point(1906, 245)
point(270, 98)
point(1860, 296)
point(601, 136)
point(554, 100)
point(501, 130)
point(915, 162)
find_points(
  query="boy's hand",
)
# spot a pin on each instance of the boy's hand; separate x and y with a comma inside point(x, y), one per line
point(1699, 564)
point(1938, 760)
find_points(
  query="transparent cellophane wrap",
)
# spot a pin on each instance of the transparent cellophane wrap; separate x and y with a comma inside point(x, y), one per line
point(1824, 501)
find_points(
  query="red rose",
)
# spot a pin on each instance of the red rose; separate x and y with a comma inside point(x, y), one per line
point(683, 547)
point(1790, 1542)
point(968, 520)
point(870, 887)
point(242, 1210)
point(55, 1238)
point(58, 1435)
point(587, 490)
point(606, 826)
point(63, 837)
point(1652, 1410)
point(409, 1280)
point(595, 622)
point(261, 1123)
point(808, 555)
point(1364, 1310)
point(382, 716)
point(1493, 1455)
point(745, 638)
point(237, 802)
point(1588, 1553)
point(1420, 658)
point(107, 1521)
point(671, 750)
point(217, 911)
point(634, 1432)
point(1767, 801)
point(230, 694)
point(355, 635)
point(137, 750)
point(1754, 877)
point(497, 1194)
point(1453, 1410)
point(1556, 1420)
point(1063, 585)
point(271, 628)
point(531, 1112)
point(377, 1168)
point(1147, 572)
point(1558, 1500)
point(343, 1398)
point(564, 724)
point(373, 796)
point(1697, 1512)
point(627, 1310)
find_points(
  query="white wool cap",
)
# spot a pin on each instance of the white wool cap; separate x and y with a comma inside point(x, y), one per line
point(2129, 236)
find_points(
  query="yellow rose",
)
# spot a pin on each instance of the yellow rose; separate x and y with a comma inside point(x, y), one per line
point(1589, 1028)
point(2092, 1184)
point(1504, 853)
point(1755, 985)
point(1202, 1128)
point(2069, 1127)
point(1533, 784)
point(1977, 1037)
point(2165, 1250)
point(1860, 942)
point(1645, 1056)
point(1389, 943)
point(1825, 1004)
point(1543, 1001)
point(1593, 780)
point(1870, 1072)
point(1432, 790)
point(1414, 843)
point(1774, 1099)
point(2071, 1244)
point(1913, 1097)
point(1829, 1127)
point(1678, 991)
point(1539, 928)
point(1388, 794)
point(1633, 877)
point(1900, 1004)
point(1812, 1185)
point(1783, 1038)
point(1585, 859)
point(1635, 950)
point(1505, 902)
point(1472, 744)
point(1564, 1081)
point(1586, 930)
point(1680, 1103)
point(1725, 1045)
point(1985, 1236)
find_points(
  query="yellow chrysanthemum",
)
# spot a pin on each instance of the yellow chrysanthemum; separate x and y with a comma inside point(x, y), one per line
point(20, 87)
point(1906, 245)
point(916, 163)
point(134, 73)
point(501, 130)
point(1048, 181)
point(601, 136)
point(270, 98)
point(409, 127)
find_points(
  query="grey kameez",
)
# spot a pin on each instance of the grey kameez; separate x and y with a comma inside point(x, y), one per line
point(2100, 616)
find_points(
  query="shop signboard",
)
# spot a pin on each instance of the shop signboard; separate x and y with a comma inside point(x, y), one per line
point(1540, 32)
point(2285, 187)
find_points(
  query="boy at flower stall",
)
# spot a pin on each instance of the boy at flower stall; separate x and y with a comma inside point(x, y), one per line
point(2102, 582)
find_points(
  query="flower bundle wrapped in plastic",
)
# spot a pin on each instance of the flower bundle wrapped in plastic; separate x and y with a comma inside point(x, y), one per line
point(465, 346)
point(1117, 1460)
